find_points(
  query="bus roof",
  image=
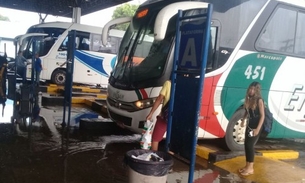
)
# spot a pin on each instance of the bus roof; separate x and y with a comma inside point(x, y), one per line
point(70, 25)
point(80, 27)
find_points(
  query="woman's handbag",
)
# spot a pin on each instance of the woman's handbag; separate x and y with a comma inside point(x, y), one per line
point(145, 141)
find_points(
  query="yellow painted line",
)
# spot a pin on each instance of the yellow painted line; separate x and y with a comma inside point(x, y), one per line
point(91, 90)
point(280, 154)
point(87, 90)
point(77, 100)
point(56, 88)
point(203, 152)
point(266, 170)
point(101, 96)
point(80, 100)
point(52, 89)
point(88, 100)
point(81, 87)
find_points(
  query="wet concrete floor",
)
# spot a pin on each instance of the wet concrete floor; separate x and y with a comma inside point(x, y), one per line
point(50, 154)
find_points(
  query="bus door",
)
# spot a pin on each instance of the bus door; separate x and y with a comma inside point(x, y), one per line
point(110, 25)
point(25, 45)
point(208, 125)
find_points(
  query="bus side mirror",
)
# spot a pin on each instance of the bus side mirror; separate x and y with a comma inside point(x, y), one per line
point(171, 10)
point(110, 24)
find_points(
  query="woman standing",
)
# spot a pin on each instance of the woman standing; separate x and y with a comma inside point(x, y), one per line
point(254, 112)
point(161, 123)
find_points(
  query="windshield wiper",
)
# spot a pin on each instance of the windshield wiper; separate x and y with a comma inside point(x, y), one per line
point(133, 50)
point(122, 58)
point(130, 56)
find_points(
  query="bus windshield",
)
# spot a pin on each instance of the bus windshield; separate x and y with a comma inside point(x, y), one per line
point(43, 45)
point(141, 57)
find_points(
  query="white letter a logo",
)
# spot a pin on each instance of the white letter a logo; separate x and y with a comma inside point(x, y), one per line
point(190, 53)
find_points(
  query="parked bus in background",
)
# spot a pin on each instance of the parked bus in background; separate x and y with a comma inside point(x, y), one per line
point(253, 40)
point(93, 61)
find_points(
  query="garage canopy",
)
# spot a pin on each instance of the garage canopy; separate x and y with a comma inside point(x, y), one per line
point(62, 8)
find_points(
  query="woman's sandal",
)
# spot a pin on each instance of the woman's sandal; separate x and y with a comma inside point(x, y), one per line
point(246, 173)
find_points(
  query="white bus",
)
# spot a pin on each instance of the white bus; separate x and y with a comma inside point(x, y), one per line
point(252, 40)
point(93, 62)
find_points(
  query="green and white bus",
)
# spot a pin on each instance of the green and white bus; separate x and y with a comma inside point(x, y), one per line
point(251, 40)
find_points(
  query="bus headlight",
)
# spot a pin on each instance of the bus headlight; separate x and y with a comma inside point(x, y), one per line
point(141, 104)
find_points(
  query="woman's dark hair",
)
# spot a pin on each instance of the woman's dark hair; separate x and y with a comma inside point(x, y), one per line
point(251, 102)
point(254, 83)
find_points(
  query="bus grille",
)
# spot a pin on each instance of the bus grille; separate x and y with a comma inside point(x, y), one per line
point(126, 106)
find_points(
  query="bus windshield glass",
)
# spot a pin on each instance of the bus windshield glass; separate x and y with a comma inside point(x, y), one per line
point(43, 45)
point(40, 46)
point(141, 57)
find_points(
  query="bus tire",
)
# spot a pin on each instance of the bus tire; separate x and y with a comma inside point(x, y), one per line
point(235, 134)
point(59, 77)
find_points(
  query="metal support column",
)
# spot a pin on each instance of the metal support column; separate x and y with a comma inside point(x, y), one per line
point(191, 52)
point(68, 86)
point(76, 15)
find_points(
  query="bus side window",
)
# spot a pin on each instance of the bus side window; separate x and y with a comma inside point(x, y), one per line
point(95, 42)
point(64, 45)
point(279, 33)
point(77, 42)
point(299, 47)
point(48, 43)
point(114, 43)
point(82, 40)
point(212, 61)
point(84, 45)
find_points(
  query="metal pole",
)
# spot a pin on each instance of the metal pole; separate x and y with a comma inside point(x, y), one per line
point(14, 83)
point(205, 47)
point(31, 93)
point(68, 84)
point(70, 69)
point(173, 81)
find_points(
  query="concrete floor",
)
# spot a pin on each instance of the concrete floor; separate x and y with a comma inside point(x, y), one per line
point(51, 155)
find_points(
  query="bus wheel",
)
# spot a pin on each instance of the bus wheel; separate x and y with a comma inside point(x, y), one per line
point(235, 134)
point(59, 77)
